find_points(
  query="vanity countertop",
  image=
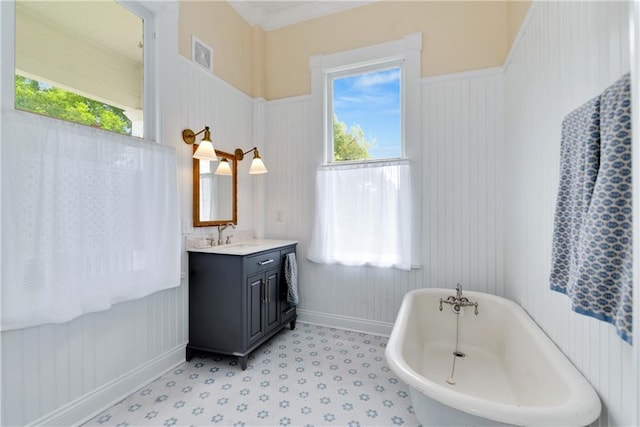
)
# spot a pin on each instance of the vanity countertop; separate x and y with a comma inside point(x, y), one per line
point(246, 247)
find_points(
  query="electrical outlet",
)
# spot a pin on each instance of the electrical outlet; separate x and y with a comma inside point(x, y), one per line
point(278, 216)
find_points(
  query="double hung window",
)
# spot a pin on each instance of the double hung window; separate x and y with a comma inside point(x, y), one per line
point(364, 213)
point(364, 112)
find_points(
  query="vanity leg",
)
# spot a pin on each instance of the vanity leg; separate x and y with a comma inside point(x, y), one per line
point(189, 354)
point(243, 362)
point(292, 324)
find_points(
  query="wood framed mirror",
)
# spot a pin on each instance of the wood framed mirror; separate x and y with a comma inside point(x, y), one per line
point(215, 200)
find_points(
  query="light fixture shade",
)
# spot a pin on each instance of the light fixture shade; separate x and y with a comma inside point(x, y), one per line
point(224, 168)
point(257, 166)
point(205, 151)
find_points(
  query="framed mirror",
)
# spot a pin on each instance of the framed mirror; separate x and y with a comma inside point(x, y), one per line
point(215, 199)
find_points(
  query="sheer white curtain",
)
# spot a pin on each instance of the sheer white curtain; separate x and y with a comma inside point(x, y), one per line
point(89, 219)
point(363, 215)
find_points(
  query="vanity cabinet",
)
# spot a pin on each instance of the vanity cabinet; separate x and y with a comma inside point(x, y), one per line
point(237, 301)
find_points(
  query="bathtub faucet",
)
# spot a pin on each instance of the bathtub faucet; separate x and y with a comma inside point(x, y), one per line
point(459, 301)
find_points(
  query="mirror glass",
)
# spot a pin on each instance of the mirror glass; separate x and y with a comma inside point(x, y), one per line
point(214, 196)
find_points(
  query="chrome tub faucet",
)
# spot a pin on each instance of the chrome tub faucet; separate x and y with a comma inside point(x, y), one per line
point(459, 301)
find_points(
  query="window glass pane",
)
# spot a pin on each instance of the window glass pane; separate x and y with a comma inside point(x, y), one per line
point(82, 62)
point(366, 116)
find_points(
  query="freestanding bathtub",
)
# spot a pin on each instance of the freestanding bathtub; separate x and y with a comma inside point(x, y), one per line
point(511, 374)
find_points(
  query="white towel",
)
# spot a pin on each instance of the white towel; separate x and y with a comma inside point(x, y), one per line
point(291, 277)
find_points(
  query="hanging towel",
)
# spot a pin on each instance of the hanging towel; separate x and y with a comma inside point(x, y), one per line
point(600, 282)
point(579, 164)
point(603, 287)
point(291, 277)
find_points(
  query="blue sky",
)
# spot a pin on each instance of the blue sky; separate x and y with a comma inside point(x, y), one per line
point(372, 100)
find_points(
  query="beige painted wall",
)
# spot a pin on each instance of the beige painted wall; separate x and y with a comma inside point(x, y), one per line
point(258, 56)
point(218, 25)
point(457, 36)
point(516, 12)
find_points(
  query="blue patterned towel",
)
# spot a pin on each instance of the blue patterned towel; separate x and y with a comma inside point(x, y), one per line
point(600, 276)
point(579, 163)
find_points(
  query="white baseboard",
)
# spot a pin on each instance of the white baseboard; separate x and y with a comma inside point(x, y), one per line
point(91, 404)
point(355, 324)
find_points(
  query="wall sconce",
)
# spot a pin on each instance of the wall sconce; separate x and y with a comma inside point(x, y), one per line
point(257, 166)
point(224, 168)
point(205, 149)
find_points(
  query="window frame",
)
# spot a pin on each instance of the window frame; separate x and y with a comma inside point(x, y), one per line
point(149, 75)
point(354, 70)
point(409, 50)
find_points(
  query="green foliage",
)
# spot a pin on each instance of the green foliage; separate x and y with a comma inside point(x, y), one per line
point(349, 144)
point(33, 96)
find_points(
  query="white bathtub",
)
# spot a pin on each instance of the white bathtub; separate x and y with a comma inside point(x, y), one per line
point(512, 372)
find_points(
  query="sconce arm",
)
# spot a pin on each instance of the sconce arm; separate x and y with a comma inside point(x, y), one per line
point(240, 154)
point(189, 137)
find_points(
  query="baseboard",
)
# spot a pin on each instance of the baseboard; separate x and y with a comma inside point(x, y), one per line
point(355, 324)
point(91, 404)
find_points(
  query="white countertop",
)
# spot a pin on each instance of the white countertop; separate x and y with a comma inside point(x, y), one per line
point(246, 247)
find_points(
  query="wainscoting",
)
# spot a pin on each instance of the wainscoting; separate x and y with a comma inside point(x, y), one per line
point(60, 374)
point(489, 179)
point(568, 53)
point(61, 367)
point(461, 200)
point(205, 100)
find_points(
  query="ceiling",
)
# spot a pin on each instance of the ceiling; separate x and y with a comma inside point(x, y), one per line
point(93, 21)
point(276, 14)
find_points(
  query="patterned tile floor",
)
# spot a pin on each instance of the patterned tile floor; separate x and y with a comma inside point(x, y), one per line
point(312, 376)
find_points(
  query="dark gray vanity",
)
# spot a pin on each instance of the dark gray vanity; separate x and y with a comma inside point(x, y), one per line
point(238, 297)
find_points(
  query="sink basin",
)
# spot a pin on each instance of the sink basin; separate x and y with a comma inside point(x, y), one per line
point(244, 248)
point(239, 245)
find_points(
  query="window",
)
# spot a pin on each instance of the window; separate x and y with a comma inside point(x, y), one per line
point(365, 113)
point(83, 62)
point(366, 104)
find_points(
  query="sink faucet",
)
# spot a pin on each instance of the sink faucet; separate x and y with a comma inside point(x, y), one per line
point(221, 228)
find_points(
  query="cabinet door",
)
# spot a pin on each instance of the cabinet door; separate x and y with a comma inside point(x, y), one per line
point(256, 313)
point(272, 312)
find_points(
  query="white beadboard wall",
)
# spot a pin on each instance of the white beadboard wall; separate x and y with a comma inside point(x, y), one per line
point(53, 370)
point(59, 374)
point(206, 100)
point(487, 201)
point(461, 200)
point(63, 373)
point(568, 53)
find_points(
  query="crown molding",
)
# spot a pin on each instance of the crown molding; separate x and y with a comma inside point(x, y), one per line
point(304, 12)
point(250, 14)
